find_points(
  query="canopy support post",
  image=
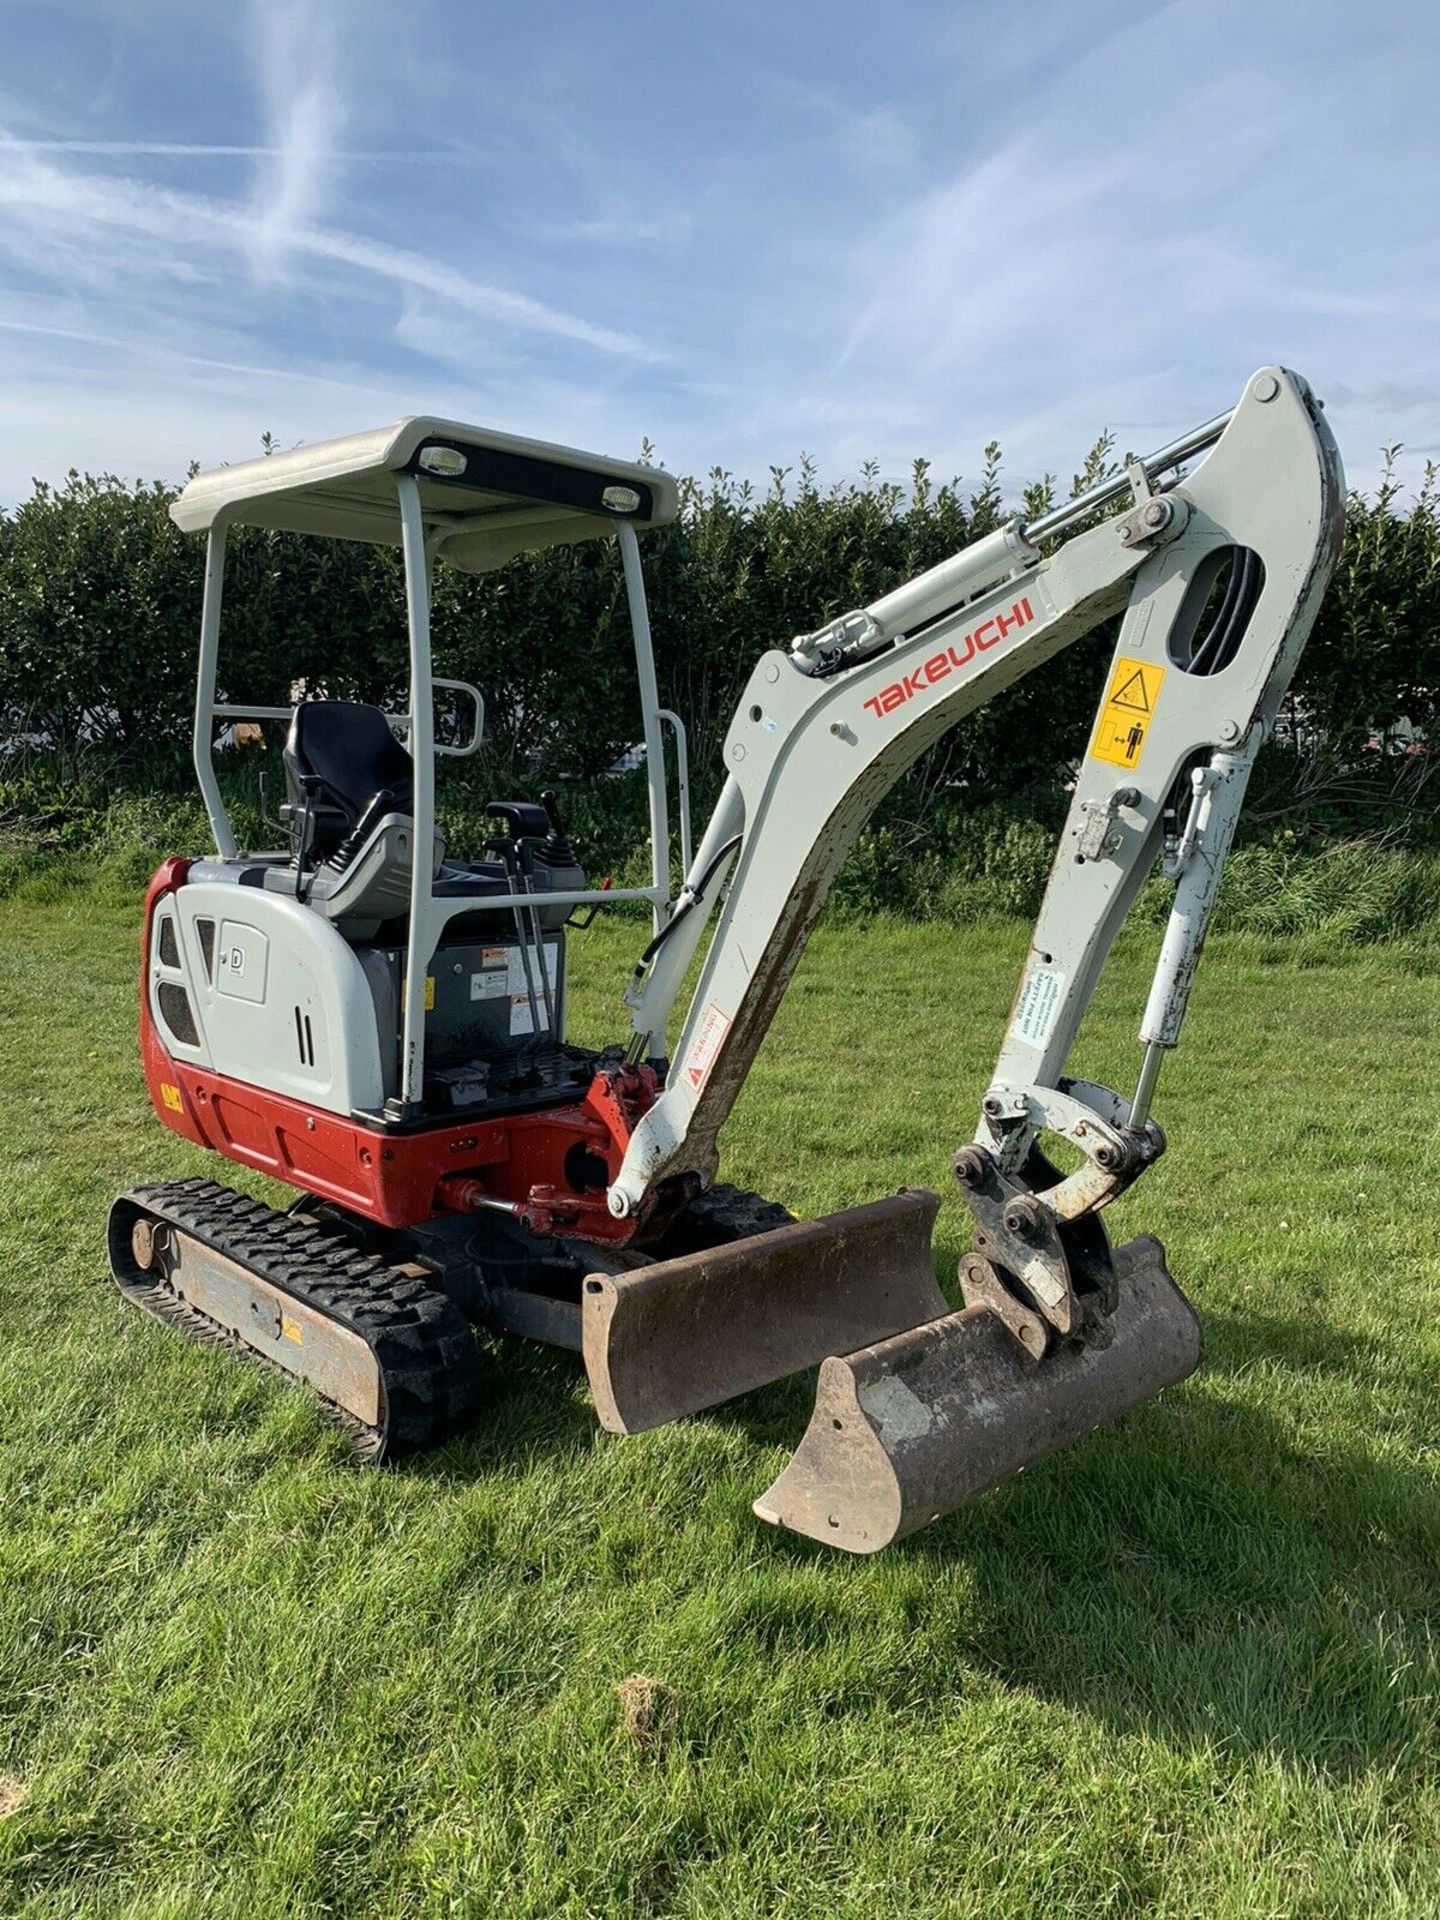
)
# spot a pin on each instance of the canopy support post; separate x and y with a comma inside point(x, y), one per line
point(424, 929)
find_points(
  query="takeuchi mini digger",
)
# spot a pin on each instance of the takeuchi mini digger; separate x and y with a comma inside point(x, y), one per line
point(383, 1026)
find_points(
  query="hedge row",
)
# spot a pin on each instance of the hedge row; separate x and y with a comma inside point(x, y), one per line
point(100, 605)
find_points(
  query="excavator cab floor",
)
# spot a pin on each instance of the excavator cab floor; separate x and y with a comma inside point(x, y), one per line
point(910, 1428)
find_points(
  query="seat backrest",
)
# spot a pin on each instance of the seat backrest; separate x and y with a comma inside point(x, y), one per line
point(349, 747)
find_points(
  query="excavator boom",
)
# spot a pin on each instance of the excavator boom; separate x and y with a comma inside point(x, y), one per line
point(1218, 577)
point(824, 731)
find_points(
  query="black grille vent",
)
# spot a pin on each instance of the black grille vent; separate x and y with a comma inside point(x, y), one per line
point(169, 951)
point(175, 1012)
point(206, 932)
point(304, 1038)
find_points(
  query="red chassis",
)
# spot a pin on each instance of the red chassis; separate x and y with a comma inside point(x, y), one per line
point(401, 1179)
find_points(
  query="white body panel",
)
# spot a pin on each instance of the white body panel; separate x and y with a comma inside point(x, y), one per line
point(285, 1006)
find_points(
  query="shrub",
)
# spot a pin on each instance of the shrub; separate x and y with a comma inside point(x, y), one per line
point(99, 608)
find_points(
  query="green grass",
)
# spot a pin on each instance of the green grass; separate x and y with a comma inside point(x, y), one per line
point(1188, 1668)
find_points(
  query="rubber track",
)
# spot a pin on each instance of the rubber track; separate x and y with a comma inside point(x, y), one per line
point(736, 1214)
point(426, 1353)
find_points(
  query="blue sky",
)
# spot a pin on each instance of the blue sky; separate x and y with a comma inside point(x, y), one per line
point(857, 230)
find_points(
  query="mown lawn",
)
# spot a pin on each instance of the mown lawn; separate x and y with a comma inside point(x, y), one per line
point(1189, 1668)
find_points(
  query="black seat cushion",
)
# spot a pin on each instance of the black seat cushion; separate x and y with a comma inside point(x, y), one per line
point(349, 747)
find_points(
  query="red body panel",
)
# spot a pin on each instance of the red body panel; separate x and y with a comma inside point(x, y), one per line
point(400, 1179)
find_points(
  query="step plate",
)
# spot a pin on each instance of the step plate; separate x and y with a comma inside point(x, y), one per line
point(680, 1335)
point(915, 1426)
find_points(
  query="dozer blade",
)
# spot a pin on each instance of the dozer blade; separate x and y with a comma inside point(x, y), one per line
point(684, 1334)
point(912, 1428)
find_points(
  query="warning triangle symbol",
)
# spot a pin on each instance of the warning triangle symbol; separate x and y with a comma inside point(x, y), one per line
point(697, 1074)
point(1134, 694)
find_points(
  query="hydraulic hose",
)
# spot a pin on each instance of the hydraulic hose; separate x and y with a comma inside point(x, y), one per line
point(690, 898)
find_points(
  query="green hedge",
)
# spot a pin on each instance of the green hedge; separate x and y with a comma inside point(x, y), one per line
point(100, 606)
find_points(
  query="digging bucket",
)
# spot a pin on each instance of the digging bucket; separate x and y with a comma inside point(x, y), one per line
point(913, 1427)
point(680, 1335)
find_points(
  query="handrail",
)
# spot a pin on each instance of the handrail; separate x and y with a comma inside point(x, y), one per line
point(423, 930)
point(230, 710)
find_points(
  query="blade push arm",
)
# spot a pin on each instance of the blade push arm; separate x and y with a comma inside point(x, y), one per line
point(824, 731)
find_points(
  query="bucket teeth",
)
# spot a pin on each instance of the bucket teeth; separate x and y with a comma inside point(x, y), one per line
point(915, 1426)
point(672, 1338)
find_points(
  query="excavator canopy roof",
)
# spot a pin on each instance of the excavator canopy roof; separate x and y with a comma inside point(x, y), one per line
point(485, 496)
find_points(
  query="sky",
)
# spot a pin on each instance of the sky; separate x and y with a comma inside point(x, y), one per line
point(742, 232)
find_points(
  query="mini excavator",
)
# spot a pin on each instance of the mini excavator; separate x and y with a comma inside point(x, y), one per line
point(383, 1026)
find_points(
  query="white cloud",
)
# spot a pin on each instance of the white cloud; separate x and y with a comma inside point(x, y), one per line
point(879, 137)
point(210, 150)
point(92, 226)
point(303, 114)
point(617, 231)
point(742, 237)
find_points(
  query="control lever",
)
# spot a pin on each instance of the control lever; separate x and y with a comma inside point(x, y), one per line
point(376, 807)
point(582, 921)
point(310, 785)
point(266, 817)
point(509, 853)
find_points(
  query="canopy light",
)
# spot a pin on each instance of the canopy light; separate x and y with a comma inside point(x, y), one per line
point(621, 499)
point(448, 461)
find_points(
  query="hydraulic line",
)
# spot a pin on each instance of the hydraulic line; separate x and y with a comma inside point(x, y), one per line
point(689, 899)
point(1242, 590)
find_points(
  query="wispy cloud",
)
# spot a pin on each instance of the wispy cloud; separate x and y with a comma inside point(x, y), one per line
point(210, 150)
point(615, 231)
point(879, 137)
point(409, 270)
point(1024, 224)
point(303, 113)
point(169, 354)
point(92, 220)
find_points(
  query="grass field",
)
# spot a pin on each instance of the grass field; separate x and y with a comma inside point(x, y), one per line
point(1189, 1668)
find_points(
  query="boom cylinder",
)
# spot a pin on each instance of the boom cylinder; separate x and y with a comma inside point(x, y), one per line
point(937, 591)
point(960, 578)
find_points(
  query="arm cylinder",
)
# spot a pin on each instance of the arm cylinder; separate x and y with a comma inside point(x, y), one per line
point(953, 581)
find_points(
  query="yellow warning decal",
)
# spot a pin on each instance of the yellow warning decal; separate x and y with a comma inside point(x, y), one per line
point(291, 1329)
point(1128, 710)
point(429, 992)
point(171, 1096)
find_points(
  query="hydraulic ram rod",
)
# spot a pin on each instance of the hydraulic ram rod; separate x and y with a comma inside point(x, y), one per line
point(1193, 442)
point(1218, 791)
point(987, 561)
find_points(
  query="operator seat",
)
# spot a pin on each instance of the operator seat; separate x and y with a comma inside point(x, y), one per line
point(346, 767)
point(346, 754)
